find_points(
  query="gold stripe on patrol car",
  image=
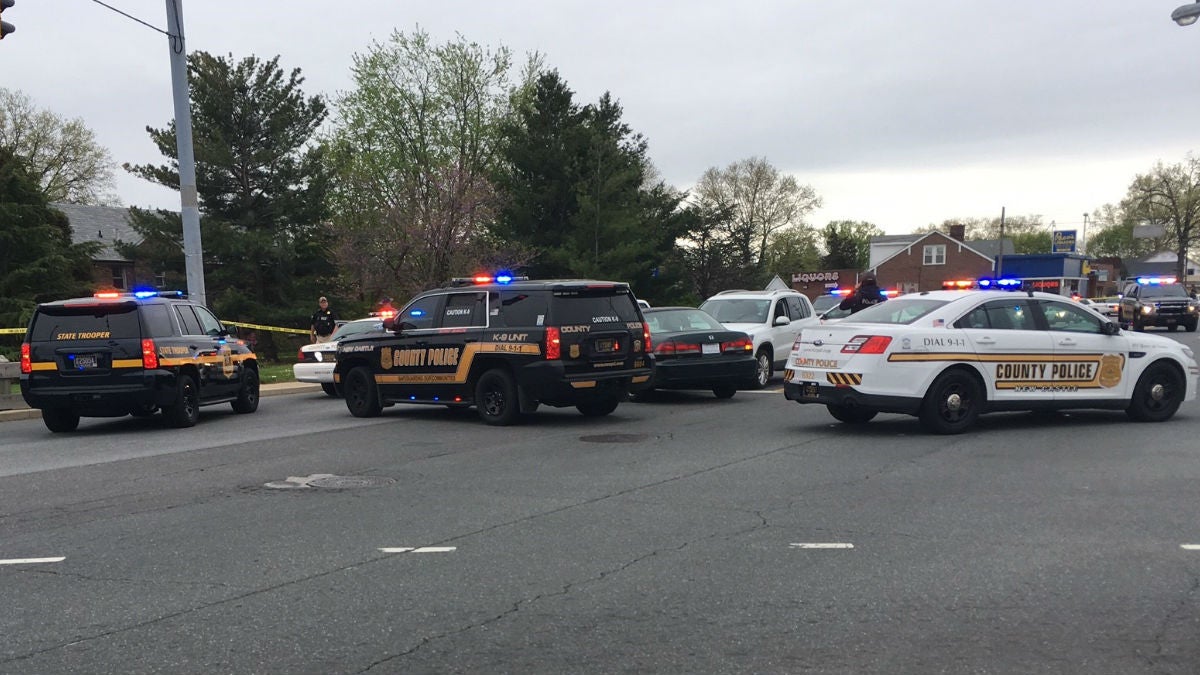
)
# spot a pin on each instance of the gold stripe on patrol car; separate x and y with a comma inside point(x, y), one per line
point(459, 376)
point(990, 358)
point(844, 378)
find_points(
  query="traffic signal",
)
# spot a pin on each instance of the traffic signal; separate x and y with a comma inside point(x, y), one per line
point(5, 27)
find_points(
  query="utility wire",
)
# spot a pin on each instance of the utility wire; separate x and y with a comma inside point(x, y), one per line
point(129, 16)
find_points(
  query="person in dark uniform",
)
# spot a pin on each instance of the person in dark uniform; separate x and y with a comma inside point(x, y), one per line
point(323, 321)
point(866, 295)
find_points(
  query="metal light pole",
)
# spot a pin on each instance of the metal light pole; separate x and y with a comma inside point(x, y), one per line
point(1083, 235)
point(189, 206)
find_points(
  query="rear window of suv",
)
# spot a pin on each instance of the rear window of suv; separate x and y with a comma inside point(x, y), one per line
point(105, 322)
point(594, 306)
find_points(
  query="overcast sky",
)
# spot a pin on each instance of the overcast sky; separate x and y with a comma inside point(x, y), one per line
point(898, 112)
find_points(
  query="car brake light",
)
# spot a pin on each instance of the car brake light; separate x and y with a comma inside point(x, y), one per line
point(867, 344)
point(646, 345)
point(299, 354)
point(149, 355)
point(738, 345)
point(553, 344)
point(26, 359)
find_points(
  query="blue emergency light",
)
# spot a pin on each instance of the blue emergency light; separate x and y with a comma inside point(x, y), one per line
point(1155, 281)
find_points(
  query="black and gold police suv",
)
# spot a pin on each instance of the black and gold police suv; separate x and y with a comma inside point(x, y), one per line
point(504, 345)
point(120, 354)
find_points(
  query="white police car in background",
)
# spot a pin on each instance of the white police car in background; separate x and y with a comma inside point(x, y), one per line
point(315, 362)
point(947, 356)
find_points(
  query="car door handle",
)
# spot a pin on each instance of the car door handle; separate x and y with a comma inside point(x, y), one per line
point(1067, 342)
point(986, 341)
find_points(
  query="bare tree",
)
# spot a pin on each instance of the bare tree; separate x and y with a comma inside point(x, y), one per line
point(1169, 195)
point(63, 155)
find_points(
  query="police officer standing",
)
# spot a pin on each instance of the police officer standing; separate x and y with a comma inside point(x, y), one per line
point(323, 321)
point(866, 295)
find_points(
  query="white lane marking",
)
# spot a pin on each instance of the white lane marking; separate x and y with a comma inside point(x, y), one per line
point(423, 549)
point(30, 561)
point(1190, 547)
point(831, 545)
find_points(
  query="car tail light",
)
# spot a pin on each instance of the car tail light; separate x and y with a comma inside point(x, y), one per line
point(867, 344)
point(676, 347)
point(26, 359)
point(646, 344)
point(739, 345)
point(553, 344)
point(149, 354)
point(299, 354)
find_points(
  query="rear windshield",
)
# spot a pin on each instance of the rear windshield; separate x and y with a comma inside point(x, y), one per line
point(738, 310)
point(824, 302)
point(899, 310)
point(94, 322)
point(594, 306)
point(680, 320)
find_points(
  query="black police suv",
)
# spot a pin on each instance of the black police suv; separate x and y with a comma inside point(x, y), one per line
point(132, 354)
point(503, 346)
point(1157, 301)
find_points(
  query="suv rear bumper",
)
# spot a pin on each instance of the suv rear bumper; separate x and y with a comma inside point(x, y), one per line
point(136, 390)
point(548, 382)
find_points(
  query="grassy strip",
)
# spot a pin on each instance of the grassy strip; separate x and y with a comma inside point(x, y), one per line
point(272, 373)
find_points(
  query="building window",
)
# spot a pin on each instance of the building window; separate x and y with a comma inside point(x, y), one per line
point(118, 277)
point(160, 280)
point(935, 254)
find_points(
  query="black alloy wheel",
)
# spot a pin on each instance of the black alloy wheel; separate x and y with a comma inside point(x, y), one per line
point(185, 412)
point(247, 400)
point(1157, 394)
point(496, 398)
point(362, 394)
point(952, 403)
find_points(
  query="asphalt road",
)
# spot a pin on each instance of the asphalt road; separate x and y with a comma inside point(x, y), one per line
point(681, 535)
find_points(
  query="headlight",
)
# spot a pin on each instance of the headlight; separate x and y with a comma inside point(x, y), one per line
point(1147, 309)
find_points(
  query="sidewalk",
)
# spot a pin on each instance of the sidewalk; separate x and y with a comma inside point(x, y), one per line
point(264, 391)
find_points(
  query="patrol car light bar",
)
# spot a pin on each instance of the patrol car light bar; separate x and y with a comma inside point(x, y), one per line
point(959, 284)
point(1156, 281)
point(139, 294)
point(1001, 284)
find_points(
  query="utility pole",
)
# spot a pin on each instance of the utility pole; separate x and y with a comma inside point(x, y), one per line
point(1000, 259)
point(189, 204)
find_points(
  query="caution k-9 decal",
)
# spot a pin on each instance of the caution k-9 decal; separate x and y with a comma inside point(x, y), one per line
point(1022, 371)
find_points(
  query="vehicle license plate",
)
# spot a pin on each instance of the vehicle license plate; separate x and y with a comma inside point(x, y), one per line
point(711, 348)
point(85, 361)
point(810, 390)
point(606, 345)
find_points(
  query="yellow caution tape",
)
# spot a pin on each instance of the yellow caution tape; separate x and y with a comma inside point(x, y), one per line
point(12, 331)
point(277, 329)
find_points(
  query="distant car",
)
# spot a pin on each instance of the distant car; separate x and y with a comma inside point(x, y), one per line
point(824, 303)
point(1109, 307)
point(773, 319)
point(315, 362)
point(1157, 301)
point(643, 304)
point(948, 356)
point(692, 350)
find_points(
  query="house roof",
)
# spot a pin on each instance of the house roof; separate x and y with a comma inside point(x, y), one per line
point(104, 224)
point(988, 247)
point(941, 235)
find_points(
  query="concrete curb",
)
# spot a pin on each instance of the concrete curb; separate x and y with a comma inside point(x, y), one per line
point(264, 391)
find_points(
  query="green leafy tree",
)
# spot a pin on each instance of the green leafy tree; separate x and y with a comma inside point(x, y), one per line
point(848, 244)
point(1113, 235)
point(63, 156)
point(582, 195)
point(262, 183)
point(415, 148)
point(1169, 195)
point(38, 262)
point(792, 250)
point(760, 202)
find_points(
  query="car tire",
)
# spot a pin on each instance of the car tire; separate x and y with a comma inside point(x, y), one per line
point(1139, 326)
point(1158, 393)
point(1191, 327)
point(60, 420)
point(764, 369)
point(952, 403)
point(851, 414)
point(496, 398)
point(361, 392)
point(724, 391)
point(1172, 327)
point(185, 412)
point(330, 389)
point(247, 400)
point(598, 407)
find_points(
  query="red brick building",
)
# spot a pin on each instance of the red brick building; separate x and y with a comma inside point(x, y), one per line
point(926, 261)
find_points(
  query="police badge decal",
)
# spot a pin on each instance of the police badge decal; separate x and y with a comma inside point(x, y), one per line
point(385, 358)
point(1110, 370)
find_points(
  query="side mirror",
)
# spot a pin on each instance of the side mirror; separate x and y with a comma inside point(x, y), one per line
point(782, 321)
point(1110, 328)
point(388, 323)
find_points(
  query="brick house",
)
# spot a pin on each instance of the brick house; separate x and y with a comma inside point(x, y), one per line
point(913, 263)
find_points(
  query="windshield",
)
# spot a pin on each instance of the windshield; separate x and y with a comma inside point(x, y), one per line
point(738, 310)
point(354, 328)
point(824, 302)
point(900, 310)
point(679, 320)
point(1169, 291)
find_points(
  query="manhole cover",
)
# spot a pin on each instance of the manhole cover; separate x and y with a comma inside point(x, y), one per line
point(614, 438)
point(330, 481)
point(351, 482)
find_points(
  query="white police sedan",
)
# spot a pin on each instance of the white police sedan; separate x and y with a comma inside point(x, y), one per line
point(947, 356)
point(315, 362)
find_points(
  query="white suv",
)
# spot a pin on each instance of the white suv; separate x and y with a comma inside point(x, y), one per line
point(773, 319)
